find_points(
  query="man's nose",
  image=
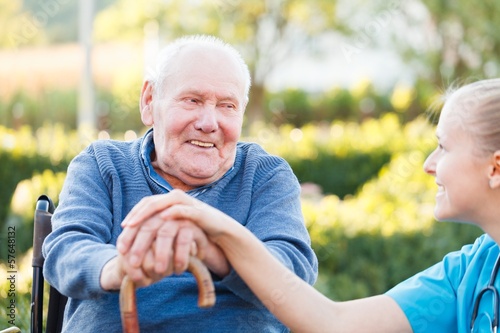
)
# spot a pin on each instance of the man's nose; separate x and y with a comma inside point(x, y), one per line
point(207, 119)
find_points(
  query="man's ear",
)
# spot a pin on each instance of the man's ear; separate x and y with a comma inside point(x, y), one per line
point(146, 104)
point(245, 104)
point(494, 173)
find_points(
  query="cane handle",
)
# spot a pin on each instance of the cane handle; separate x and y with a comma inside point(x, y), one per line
point(128, 304)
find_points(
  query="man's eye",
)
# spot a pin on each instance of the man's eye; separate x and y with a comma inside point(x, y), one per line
point(228, 106)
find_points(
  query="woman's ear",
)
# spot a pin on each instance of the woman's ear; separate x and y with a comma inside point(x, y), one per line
point(145, 103)
point(494, 173)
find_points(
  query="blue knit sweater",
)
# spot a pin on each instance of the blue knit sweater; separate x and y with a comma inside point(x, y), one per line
point(107, 179)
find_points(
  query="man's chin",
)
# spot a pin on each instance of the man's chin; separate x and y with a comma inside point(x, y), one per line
point(199, 179)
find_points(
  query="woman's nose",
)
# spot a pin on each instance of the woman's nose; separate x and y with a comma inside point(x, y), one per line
point(430, 164)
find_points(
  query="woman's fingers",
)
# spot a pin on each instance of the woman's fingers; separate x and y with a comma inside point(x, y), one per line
point(209, 219)
point(144, 209)
point(151, 205)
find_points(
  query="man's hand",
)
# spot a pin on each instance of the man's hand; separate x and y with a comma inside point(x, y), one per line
point(171, 241)
point(114, 270)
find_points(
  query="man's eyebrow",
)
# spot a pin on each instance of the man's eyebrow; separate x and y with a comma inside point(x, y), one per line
point(229, 96)
point(199, 92)
point(229, 99)
point(193, 92)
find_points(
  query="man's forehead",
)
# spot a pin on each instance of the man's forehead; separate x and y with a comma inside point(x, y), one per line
point(203, 53)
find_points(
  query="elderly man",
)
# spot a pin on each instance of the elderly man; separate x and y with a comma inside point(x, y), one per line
point(194, 104)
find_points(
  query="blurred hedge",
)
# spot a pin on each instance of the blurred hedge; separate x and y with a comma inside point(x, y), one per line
point(369, 242)
point(370, 263)
point(116, 111)
point(117, 103)
point(24, 155)
point(358, 103)
point(339, 156)
point(37, 109)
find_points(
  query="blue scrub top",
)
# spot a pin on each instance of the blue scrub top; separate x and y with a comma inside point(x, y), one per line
point(441, 298)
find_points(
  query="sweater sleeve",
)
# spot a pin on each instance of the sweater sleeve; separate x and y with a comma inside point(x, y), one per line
point(81, 241)
point(276, 218)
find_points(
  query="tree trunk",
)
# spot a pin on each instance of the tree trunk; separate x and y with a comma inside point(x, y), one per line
point(256, 106)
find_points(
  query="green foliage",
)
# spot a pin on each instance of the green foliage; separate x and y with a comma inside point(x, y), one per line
point(369, 263)
point(341, 156)
point(233, 20)
point(35, 110)
point(24, 200)
point(31, 22)
point(117, 109)
point(118, 105)
point(299, 107)
point(10, 15)
point(291, 106)
point(463, 44)
point(267, 33)
point(23, 155)
point(386, 232)
point(335, 173)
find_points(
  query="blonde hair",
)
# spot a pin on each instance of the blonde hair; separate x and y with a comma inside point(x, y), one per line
point(478, 107)
point(167, 55)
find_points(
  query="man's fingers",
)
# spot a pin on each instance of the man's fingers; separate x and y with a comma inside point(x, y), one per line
point(148, 266)
point(126, 239)
point(193, 251)
point(139, 215)
point(183, 243)
point(148, 262)
point(136, 274)
point(201, 243)
point(163, 247)
point(144, 240)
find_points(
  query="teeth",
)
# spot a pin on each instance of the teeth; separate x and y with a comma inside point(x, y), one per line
point(201, 144)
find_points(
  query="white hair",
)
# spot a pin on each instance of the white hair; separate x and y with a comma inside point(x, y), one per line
point(157, 76)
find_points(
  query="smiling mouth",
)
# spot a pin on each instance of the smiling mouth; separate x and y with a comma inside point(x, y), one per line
point(202, 144)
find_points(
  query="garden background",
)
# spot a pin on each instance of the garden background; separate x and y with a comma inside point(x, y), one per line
point(341, 89)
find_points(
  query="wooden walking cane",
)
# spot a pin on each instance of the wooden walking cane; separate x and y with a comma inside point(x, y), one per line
point(128, 307)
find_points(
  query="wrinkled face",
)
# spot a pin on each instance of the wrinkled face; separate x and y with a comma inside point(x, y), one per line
point(197, 117)
point(461, 172)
